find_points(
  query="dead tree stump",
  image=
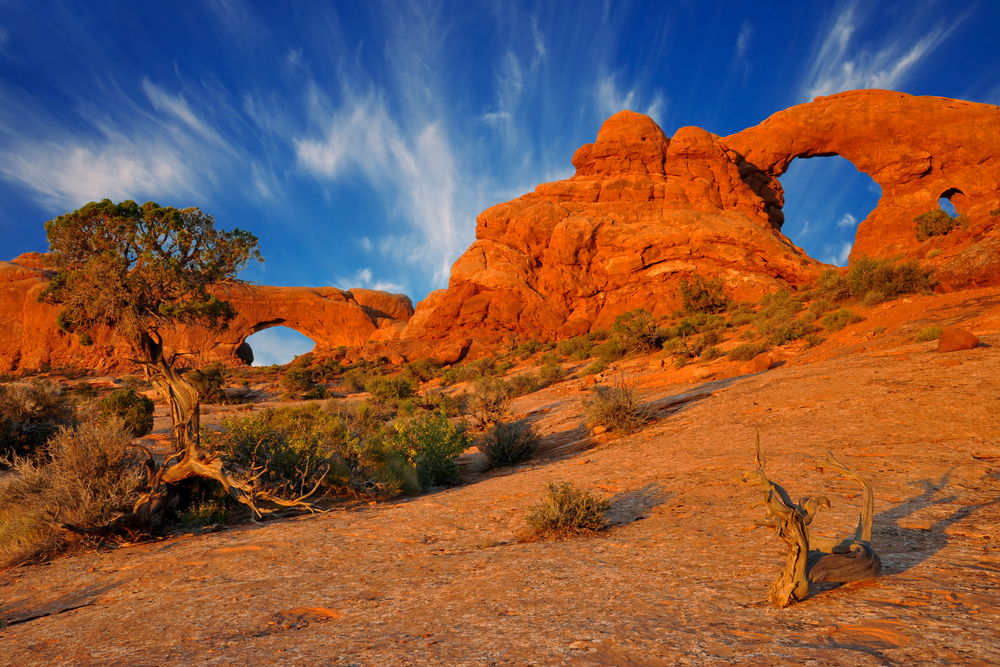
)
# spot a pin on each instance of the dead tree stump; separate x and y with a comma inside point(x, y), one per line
point(812, 558)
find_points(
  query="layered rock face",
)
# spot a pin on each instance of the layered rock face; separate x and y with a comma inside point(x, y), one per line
point(29, 336)
point(918, 149)
point(643, 212)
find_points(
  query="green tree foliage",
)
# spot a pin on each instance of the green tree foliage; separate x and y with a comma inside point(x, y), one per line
point(138, 268)
point(938, 223)
point(134, 410)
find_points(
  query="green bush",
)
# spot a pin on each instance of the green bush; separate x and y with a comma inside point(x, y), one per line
point(838, 320)
point(812, 340)
point(357, 377)
point(704, 296)
point(510, 443)
point(776, 320)
point(617, 407)
point(746, 351)
point(576, 349)
point(833, 285)
point(134, 410)
point(938, 223)
point(818, 308)
point(490, 402)
point(550, 374)
point(206, 513)
point(637, 331)
point(30, 413)
point(209, 381)
point(868, 274)
point(566, 511)
point(431, 444)
point(928, 333)
point(527, 349)
point(298, 380)
point(525, 383)
point(595, 368)
point(82, 392)
point(710, 353)
point(611, 350)
point(88, 476)
point(390, 389)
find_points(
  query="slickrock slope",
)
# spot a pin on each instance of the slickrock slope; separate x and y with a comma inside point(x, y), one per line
point(642, 212)
point(440, 579)
point(918, 149)
point(29, 336)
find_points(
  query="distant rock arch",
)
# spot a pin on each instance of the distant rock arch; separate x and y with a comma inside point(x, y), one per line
point(917, 149)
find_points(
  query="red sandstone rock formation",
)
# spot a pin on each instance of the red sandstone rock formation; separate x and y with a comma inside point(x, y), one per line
point(642, 212)
point(331, 317)
point(918, 149)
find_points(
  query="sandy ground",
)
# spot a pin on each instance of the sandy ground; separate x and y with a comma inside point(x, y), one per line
point(440, 579)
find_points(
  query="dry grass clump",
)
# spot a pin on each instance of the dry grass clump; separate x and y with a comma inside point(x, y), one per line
point(617, 407)
point(928, 333)
point(490, 402)
point(837, 320)
point(566, 511)
point(746, 351)
point(510, 443)
point(30, 413)
point(88, 475)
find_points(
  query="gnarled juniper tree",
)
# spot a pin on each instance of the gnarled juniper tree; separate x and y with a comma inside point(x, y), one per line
point(140, 270)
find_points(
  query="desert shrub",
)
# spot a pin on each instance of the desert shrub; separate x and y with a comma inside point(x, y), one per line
point(595, 368)
point(134, 410)
point(891, 279)
point(431, 444)
point(704, 296)
point(550, 374)
point(86, 340)
point(577, 349)
point(933, 252)
point(453, 404)
point(611, 350)
point(873, 298)
point(317, 393)
point(490, 401)
point(206, 513)
point(879, 330)
point(817, 308)
point(209, 381)
point(484, 367)
point(776, 320)
point(357, 377)
point(833, 285)
point(812, 340)
point(837, 320)
point(510, 443)
point(938, 223)
point(710, 353)
point(740, 318)
point(298, 380)
point(637, 331)
point(30, 413)
point(299, 448)
point(525, 383)
point(566, 511)
point(390, 389)
point(88, 476)
point(928, 333)
point(82, 392)
point(746, 351)
point(527, 349)
point(617, 406)
point(326, 369)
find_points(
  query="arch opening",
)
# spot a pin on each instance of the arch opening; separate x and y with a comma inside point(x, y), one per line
point(826, 197)
point(953, 202)
point(272, 343)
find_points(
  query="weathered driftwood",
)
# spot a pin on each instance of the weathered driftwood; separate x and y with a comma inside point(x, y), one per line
point(813, 558)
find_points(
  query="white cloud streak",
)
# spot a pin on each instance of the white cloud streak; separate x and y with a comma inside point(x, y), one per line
point(365, 278)
point(742, 45)
point(848, 221)
point(417, 169)
point(840, 64)
point(610, 100)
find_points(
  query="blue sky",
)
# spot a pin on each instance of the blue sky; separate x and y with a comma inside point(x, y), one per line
point(359, 140)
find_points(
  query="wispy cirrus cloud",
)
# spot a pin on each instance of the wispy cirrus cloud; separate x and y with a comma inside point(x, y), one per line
point(610, 100)
point(416, 171)
point(742, 45)
point(366, 279)
point(842, 61)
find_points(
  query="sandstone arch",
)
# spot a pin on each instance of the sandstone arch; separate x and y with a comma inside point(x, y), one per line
point(915, 148)
point(29, 336)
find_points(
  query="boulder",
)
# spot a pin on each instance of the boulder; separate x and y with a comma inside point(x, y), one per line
point(953, 339)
